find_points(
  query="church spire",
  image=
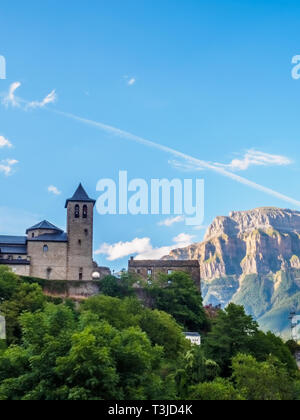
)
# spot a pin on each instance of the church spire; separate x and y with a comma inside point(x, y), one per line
point(80, 196)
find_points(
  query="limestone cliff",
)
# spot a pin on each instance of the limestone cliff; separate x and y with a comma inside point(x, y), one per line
point(251, 258)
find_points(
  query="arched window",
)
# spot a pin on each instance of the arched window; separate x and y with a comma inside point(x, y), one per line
point(32, 235)
point(85, 212)
point(45, 249)
point(77, 211)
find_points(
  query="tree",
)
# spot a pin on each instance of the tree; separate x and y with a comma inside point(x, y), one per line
point(264, 345)
point(163, 330)
point(114, 287)
point(265, 381)
point(232, 333)
point(218, 390)
point(178, 295)
point(27, 297)
point(120, 313)
point(195, 368)
point(9, 283)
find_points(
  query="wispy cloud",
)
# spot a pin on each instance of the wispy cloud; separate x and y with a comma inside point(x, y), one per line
point(54, 190)
point(197, 163)
point(171, 221)
point(49, 99)
point(10, 99)
point(4, 142)
point(6, 166)
point(142, 248)
point(256, 158)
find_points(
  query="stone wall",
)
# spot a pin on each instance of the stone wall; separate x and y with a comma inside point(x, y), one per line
point(77, 290)
point(152, 268)
point(80, 243)
point(50, 265)
point(20, 269)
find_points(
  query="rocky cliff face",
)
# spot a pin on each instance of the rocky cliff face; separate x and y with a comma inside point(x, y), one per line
point(252, 250)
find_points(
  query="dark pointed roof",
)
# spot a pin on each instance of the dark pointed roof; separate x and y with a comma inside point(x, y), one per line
point(45, 225)
point(80, 196)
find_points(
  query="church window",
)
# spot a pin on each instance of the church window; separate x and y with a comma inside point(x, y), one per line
point(80, 273)
point(77, 211)
point(86, 232)
point(32, 235)
point(46, 249)
point(79, 242)
point(85, 212)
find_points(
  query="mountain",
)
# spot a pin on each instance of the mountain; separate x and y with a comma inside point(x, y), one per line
point(252, 258)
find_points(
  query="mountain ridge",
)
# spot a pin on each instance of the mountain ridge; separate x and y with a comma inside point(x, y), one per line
point(251, 258)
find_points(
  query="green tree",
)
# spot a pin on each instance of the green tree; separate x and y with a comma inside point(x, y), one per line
point(218, 390)
point(264, 345)
point(163, 330)
point(178, 295)
point(27, 297)
point(120, 313)
point(264, 381)
point(114, 287)
point(9, 283)
point(232, 333)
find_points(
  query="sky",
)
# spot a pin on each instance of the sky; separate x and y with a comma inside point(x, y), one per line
point(175, 89)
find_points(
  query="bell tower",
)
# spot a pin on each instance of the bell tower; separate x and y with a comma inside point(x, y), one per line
point(80, 214)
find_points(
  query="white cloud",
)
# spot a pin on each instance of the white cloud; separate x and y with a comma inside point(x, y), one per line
point(54, 190)
point(171, 221)
point(142, 248)
point(4, 142)
point(256, 158)
point(6, 166)
point(10, 98)
point(49, 99)
point(131, 81)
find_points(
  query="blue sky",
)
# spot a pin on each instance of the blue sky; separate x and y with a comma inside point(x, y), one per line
point(211, 79)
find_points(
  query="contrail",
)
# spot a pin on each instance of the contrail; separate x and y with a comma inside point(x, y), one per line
point(197, 162)
point(131, 137)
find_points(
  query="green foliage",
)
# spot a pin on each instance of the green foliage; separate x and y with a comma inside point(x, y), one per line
point(232, 333)
point(218, 390)
point(111, 286)
point(264, 381)
point(27, 297)
point(163, 330)
point(9, 283)
point(115, 348)
point(119, 313)
point(178, 295)
point(293, 346)
point(264, 345)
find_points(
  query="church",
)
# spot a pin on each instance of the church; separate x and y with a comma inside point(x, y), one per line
point(47, 252)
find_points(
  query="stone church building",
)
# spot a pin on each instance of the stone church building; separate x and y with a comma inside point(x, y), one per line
point(47, 252)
